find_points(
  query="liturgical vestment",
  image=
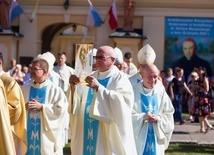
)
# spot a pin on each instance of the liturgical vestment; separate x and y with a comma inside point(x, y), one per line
point(152, 138)
point(7, 146)
point(45, 127)
point(16, 105)
point(101, 120)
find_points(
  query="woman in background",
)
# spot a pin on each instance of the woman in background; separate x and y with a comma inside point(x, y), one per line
point(18, 75)
point(202, 106)
point(177, 88)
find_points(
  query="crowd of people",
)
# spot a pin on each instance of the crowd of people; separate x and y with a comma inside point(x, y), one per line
point(195, 93)
point(120, 109)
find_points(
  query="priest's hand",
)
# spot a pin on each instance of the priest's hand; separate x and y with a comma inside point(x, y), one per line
point(73, 80)
point(92, 82)
point(33, 105)
point(150, 117)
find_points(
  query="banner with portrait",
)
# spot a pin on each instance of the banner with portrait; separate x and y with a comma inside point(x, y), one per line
point(189, 43)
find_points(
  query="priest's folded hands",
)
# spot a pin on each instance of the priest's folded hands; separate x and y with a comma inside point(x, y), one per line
point(150, 117)
point(33, 105)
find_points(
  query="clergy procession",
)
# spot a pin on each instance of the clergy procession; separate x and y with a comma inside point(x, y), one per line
point(109, 112)
point(69, 86)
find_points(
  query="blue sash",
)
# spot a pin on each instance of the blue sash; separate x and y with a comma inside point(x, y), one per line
point(34, 122)
point(91, 125)
point(150, 104)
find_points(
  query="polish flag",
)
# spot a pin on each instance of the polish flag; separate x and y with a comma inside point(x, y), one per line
point(113, 16)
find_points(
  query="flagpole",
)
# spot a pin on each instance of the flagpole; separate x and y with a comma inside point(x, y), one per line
point(27, 17)
point(89, 2)
point(105, 18)
point(108, 13)
point(34, 11)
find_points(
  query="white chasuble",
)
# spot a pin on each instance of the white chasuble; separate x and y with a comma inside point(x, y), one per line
point(111, 106)
point(158, 102)
point(45, 127)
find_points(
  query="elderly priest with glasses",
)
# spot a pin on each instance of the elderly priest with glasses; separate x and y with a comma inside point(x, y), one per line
point(101, 110)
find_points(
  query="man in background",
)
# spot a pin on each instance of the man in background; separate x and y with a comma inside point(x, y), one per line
point(12, 66)
point(63, 70)
point(132, 69)
point(121, 65)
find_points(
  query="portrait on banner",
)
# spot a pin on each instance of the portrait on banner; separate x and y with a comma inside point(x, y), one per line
point(189, 43)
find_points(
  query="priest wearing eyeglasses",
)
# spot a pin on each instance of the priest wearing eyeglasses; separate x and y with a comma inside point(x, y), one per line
point(101, 110)
point(46, 106)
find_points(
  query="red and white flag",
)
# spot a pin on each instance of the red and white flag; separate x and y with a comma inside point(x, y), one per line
point(113, 16)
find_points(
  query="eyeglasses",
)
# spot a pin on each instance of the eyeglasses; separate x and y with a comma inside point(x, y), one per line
point(101, 57)
point(35, 69)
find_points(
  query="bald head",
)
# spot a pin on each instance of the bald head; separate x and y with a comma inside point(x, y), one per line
point(122, 66)
point(105, 58)
point(108, 50)
point(150, 74)
point(151, 68)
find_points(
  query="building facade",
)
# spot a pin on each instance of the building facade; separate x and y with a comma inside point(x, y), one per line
point(58, 27)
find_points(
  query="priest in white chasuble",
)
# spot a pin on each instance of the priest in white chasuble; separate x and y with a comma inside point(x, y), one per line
point(153, 121)
point(101, 110)
point(46, 106)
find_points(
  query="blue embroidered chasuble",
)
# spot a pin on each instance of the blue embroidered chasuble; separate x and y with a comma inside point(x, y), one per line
point(90, 124)
point(34, 122)
point(150, 104)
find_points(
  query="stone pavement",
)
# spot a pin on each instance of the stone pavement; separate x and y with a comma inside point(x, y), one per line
point(186, 133)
